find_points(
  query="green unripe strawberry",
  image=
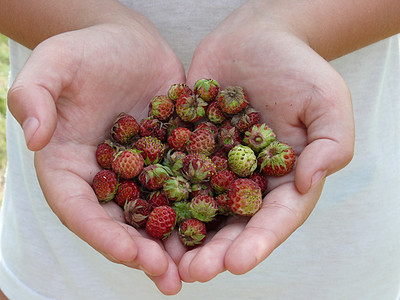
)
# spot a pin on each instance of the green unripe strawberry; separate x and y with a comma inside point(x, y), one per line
point(242, 161)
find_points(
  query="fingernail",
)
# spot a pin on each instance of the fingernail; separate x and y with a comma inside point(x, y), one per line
point(317, 177)
point(29, 127)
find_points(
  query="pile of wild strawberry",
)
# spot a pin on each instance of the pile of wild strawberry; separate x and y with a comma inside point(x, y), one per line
point(201, 155)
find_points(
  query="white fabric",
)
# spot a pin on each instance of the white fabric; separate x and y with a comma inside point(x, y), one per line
point(348, 249)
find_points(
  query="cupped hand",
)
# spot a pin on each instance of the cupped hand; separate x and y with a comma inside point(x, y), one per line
point(307, 104)
point(66, 97)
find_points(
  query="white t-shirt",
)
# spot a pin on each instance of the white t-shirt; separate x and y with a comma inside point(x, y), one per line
point(348, 249)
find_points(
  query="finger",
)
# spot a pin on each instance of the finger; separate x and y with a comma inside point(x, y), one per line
point(330, 130)
point(169, 283)
point(79, 210)
point(174, 247)
point(204, 263)
point(32, 96)
point(283, 211)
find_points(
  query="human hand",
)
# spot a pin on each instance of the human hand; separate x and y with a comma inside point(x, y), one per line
point(66, 98)
point(307, 104)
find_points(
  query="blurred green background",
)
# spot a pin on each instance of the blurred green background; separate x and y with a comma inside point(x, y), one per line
point(4, 69)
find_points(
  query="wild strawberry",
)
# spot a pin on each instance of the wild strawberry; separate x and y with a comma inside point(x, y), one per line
point(161, 107)
point(201, 141)
point(157, 198)
point(127, 164)
point(153, 127)
point(105, 154)
point(242, 161)
point(228, 136)
point(105, 185)
point(220, 162)
point(153, 177)
point(277, 159)
point(245, 119)
point(192, 232)
point(174, 161)
point(127, 189)
point(258, 137)
point(232, 100)
point(176, 121)
point(215, 114)
point(221, 180)
point(190, 108)
point(178, 138)
point(151, 149)
point(178, 89)
point(197, 168)
point(203, 208)
point(125, 127)
point(161, 222)
point(176, 189)
point(136, 212)
point(207, 89)
point(245, 197)
point(223, 204)
point(182, 210)
point(211, 127)
point(261, 180)
point(202, 188)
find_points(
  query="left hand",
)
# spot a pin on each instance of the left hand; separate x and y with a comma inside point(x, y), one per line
point(308, 105)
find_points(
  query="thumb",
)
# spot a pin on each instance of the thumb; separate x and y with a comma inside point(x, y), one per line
point(330, 142)
point(32, 96)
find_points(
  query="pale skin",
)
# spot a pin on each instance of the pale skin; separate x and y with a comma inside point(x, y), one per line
point(278, 54)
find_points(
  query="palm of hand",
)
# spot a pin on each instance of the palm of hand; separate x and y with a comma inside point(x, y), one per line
point(307, 104)
point(96, 73)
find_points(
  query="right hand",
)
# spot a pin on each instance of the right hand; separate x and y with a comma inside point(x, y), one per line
point(65, 98)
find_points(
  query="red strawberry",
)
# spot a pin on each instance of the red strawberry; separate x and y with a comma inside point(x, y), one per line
point(232, 100)
point(192, 232)
point(211, 127)
point(223, 204)
point(245, 197)
point(204, 208)
point(161, 222)
point(136, 212)
point(151, 149)
point(176, 189)
point(215, 114)
point(153, 127)
point(161, 107)
point(228, 136)
point(176, 121)
point(261, 180)
point(125, 127)
point(127, 164)
point(190, 108)
point(207, 89)
point(105, 154)
point(127, 189)
point(258, 137)
point(105, 185)
point(153, 177)
point(245, 119)
point(157, 198)
point(277, 159)
point(178, 89)
point(202, 188)
point(221, 180)
point(201, 141)
point(174, 161)
point(220, 162)
point(197, 168)
point(178, 138)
